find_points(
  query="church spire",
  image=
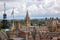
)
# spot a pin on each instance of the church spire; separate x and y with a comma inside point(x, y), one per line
point(27, 19)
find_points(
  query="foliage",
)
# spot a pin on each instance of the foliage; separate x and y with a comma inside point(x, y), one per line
point(0, 25)
point(33, 22)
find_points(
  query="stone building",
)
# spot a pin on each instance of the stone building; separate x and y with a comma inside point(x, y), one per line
point(30, 37)
point(52, 24)
point(5, 23)
point(3, 35)
point(14, 30)
point(28, 32)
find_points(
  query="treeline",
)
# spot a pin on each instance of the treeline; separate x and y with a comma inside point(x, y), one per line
point(22, 22)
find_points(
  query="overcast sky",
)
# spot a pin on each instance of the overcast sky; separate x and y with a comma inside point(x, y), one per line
point(37, 8)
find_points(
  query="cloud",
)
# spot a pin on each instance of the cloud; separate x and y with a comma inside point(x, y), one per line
point(36, 8)
point(46, 8)
point(12, 0)
point(33, 8)
point(19, 9)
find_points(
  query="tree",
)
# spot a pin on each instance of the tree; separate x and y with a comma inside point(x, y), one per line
point(0, 25)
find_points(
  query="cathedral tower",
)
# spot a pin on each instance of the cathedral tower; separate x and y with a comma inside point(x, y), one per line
point(5, 23)
point(27, 19)
point(15, 30)
point(52, 24)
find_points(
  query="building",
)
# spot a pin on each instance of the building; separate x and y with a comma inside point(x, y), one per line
point(28, 32)
point(51, 30)
point(5, 23)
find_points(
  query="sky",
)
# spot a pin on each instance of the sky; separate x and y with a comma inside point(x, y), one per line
point(36, 8)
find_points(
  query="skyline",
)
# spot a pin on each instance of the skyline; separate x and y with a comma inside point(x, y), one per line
point(37, 8)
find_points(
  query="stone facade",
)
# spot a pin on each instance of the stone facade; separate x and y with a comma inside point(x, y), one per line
point(52, 24)
point(30, 37)
point(14, 30)
point(3, 35)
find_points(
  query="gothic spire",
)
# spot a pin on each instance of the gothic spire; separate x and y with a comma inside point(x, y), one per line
point(27, 15)
point(27, 19)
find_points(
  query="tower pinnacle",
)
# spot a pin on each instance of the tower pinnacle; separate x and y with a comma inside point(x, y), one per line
point(4, 15)
point(27, 19)
point(4, 7)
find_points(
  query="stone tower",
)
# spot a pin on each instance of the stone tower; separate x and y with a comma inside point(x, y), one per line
point(52, 24)
point(17, 24)
point(14, 30)
point(11, 31)
point(5, 23)
point(27, 20)
point(30, 36)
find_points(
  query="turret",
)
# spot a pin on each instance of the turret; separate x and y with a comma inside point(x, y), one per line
point(5, 23)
